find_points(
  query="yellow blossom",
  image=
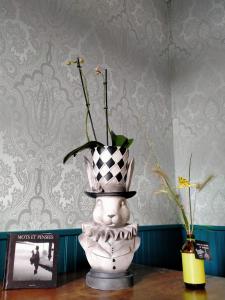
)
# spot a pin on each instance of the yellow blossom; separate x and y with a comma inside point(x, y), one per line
point(184, 183)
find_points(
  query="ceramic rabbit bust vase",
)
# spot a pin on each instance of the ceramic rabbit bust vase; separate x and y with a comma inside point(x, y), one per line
point(109, 241)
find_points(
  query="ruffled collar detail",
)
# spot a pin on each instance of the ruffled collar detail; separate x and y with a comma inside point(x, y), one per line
point(96, 231)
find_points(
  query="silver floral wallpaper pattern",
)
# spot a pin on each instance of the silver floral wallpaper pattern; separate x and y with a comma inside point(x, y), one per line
point(42, 108)
point(166, 62)
point(198, 99)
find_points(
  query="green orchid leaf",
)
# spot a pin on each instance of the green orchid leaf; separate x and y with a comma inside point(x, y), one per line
point(120, 140)
point(88, 145)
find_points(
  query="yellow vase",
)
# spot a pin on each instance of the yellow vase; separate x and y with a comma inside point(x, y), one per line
point(193, 269)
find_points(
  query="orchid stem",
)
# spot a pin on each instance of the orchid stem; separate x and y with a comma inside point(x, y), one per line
point(106, 106)
point(86, 97)
point(86, 126)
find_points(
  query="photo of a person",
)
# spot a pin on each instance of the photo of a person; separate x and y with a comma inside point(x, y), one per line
point(32, 261)
point(32, 258)
point(36, 259)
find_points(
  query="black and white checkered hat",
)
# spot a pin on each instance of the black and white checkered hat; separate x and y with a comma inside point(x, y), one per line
point(110, 165)
point(110, 168)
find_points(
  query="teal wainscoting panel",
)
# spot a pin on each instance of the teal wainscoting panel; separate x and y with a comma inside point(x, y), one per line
point(215, 235)
point(160, 246)
point(3, 247)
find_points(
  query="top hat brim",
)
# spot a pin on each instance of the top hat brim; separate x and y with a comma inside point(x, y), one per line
point(128, 194)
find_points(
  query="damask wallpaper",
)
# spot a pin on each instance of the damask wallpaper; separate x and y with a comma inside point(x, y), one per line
point(42, 107)
point(198, 94)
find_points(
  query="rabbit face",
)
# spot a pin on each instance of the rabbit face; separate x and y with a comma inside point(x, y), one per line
point(111, 211)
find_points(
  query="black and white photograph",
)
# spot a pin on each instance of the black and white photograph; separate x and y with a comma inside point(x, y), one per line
point(31, 261)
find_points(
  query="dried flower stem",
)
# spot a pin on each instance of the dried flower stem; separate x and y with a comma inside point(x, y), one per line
point(172, 195)
point(189, 196)
point(200, 186)
point(167, 188)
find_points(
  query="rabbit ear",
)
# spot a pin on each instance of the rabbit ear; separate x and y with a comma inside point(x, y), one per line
point(94, 185)
point(129, 174)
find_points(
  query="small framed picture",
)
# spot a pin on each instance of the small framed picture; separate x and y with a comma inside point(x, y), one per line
point(31, 261)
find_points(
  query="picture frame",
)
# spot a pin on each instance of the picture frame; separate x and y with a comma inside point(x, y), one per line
point(31, 261)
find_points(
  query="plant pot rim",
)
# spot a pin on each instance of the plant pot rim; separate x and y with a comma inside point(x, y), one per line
point(111, 146)
point(111, 149)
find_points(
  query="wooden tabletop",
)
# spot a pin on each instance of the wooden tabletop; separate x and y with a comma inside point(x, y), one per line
point(149, 283)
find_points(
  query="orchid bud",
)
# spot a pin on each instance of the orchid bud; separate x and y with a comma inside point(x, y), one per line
point(81, 60)
point(98, 70)
point(72, 62)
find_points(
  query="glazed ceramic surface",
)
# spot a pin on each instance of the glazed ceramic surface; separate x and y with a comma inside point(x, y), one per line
point(110, 242)
point(110, 166)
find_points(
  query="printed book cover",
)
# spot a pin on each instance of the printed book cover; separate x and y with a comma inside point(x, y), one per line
point(31, 261)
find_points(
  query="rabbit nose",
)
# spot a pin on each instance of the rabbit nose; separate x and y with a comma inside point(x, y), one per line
point(111, 216)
